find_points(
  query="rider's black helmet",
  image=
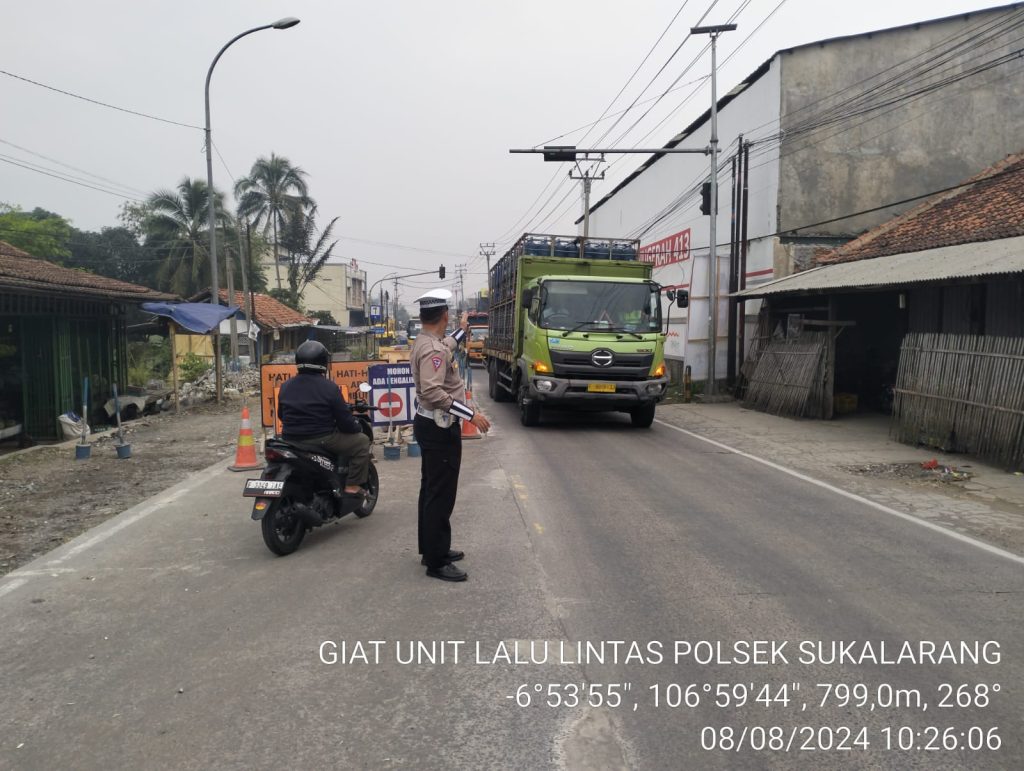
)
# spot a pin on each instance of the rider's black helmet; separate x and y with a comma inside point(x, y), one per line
point(312, 356)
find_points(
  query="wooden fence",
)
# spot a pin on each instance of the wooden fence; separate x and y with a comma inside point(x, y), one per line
point(962, 393)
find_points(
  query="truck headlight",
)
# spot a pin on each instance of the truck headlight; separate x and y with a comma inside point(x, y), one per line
point(544, 385)
point(654, 388)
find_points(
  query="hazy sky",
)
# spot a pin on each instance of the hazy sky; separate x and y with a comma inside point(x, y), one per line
point(401, 112)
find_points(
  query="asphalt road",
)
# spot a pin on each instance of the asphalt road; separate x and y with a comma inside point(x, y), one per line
point(170, 637)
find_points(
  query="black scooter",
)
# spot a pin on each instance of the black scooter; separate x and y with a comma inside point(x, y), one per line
point(296, 492)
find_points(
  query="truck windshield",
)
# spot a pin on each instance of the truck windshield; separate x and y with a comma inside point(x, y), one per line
point(595, 305)
point(478, 333)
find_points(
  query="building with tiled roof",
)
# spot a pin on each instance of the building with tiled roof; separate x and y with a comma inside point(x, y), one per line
point(58, 326)
point(269, 312)
point(21, 272)
point(930, 306)
point(987, 207)
point(279, 329)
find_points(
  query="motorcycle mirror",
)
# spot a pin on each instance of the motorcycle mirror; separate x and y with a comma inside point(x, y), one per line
point(365, 388)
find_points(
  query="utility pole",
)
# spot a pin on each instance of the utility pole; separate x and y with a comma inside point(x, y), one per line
point(462, 289)
point(487, 251)
point(233, 323)
point(394, 303)
point(587, 177)
point(246, 299)
point(714, 31)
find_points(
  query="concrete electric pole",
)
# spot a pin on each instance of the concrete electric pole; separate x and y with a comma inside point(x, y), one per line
point(714, 32)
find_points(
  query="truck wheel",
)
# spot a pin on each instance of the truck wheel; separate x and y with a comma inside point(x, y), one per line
point(492, 382)
point(529, 412)
point(494, 387)
point(643, 416)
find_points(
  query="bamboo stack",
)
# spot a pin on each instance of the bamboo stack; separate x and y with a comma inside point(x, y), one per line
point(962, 393)
point(788, 374)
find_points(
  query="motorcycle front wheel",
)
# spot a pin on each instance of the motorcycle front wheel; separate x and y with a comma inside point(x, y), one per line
point(283, 530)
point(372, 487)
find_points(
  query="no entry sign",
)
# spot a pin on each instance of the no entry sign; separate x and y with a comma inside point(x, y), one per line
point(390, 405)
point(394, 393)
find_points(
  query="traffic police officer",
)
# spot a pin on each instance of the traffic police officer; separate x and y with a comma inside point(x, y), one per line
point(439, 390)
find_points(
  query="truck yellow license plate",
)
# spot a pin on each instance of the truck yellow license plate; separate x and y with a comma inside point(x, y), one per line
point(601, 388)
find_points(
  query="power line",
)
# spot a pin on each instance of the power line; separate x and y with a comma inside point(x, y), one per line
point(512, 231)
point(969, 183)
point(97, 102)
point(72, 181)
point(894, 76)
point(73, 168)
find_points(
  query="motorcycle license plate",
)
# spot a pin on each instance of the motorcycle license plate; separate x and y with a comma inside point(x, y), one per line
point(601, 388)
point(263, 488)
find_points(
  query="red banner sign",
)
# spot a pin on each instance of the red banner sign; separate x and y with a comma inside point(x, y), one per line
point(667, 251)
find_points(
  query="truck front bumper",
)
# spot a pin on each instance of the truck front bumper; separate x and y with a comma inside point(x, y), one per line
point(555, 391)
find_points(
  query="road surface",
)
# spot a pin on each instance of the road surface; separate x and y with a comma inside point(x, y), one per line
point(170, 637)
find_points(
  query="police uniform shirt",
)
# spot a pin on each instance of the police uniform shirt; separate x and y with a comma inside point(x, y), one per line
point(438, 385)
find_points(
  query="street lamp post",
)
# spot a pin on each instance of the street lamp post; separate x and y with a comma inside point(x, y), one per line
point(714, 31)
point(215, 289)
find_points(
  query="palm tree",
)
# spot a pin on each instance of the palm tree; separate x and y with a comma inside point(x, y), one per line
point(177, 225)
point(307, 251)
point(274, 190)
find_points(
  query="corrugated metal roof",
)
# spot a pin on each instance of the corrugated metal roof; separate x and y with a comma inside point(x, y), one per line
point(984, 258)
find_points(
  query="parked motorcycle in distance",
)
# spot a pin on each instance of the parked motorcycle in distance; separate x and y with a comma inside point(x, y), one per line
point(295, 492)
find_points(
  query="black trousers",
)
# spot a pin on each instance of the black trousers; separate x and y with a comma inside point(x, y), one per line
point(441, 459)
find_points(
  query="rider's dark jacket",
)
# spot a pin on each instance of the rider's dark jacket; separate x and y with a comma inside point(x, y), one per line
point(311, 405)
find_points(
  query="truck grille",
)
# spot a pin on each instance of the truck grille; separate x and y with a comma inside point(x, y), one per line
point(580, 364)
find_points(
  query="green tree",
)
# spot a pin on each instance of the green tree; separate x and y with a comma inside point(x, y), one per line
point(134, 217)
point(325, 317)
point(307, 250)
point(39, 232)
point(273, 190)
point(285, 296)
point(178, 229)
point(113, 252)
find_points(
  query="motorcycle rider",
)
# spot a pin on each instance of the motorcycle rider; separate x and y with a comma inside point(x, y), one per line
point(310, 402)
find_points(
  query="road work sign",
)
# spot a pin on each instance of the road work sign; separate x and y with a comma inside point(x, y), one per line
point(394, 394)
point(345, 373)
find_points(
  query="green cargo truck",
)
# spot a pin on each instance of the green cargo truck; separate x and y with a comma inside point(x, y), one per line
point(576, 324)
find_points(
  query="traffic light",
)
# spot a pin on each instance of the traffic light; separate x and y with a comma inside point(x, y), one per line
point(705, 198)
point(559, 153)
point(440, 272)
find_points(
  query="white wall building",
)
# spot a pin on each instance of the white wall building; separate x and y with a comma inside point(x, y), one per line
point(835, 127)
point(341, 289)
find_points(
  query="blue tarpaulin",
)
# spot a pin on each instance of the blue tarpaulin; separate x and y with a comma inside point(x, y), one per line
point(201, 318)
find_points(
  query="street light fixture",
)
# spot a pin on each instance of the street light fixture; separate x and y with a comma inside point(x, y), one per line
point(284, 23)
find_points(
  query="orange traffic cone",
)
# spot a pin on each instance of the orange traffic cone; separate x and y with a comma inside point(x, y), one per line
point(245, 456)
point(469, 431)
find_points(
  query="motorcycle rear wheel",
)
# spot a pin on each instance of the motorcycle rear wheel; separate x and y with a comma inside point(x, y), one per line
point(372, 491)
point(283, 530)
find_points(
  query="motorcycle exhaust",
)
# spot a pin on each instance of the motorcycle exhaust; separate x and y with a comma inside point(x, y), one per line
point(309, 516)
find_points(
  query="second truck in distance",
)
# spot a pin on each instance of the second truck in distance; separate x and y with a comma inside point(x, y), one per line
point(576, 324)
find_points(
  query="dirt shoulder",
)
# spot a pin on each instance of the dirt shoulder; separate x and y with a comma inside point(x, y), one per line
point(47, 497)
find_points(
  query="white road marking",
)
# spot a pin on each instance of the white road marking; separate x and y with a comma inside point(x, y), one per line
point(854, 497)
point(11, 585)
point(130, 516)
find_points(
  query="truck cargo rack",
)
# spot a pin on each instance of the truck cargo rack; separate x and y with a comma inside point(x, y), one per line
point(504, 274)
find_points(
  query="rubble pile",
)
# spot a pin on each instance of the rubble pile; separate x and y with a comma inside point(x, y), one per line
point(245, 380)
point(204, 387)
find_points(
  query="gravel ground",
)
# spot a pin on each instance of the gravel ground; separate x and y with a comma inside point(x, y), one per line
point(48, 498)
